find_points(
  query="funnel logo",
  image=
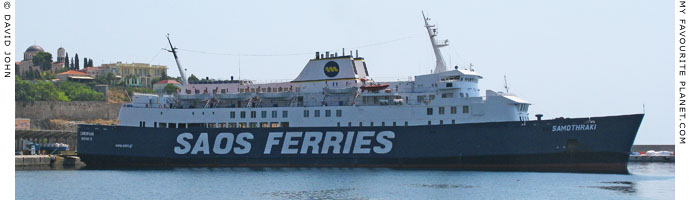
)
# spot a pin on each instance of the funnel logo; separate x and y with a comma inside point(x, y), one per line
point(331, 69)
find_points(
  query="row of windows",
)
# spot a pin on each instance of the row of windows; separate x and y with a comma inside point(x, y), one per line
point(269, 89)
point(220, 125)
point(264, 114)
point(256, 124)
point(522, 107)
point(453, 110)
point(327, 113)
point(349, 124)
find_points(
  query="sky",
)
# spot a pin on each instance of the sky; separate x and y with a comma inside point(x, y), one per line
point(568, 58)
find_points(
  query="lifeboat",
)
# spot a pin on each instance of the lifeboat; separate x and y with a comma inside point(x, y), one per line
point(275, 95)
point(234, 96)
point(193, 97)
point(348, 90)
point(375, 87)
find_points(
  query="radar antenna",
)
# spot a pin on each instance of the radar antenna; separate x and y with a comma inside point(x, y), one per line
point(432, 30)
point(179, 67)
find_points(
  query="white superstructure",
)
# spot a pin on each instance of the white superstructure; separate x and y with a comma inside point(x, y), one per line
point(330, 91)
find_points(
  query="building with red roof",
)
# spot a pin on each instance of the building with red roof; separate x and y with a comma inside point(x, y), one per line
point(158, 86)
point(74, 75)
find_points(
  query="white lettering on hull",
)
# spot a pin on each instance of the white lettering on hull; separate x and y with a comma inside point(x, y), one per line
point(311, 142)
point(575, 127)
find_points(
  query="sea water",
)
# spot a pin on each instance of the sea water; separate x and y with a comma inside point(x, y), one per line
point(646, 181)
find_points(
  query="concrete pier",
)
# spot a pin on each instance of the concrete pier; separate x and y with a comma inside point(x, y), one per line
point(27, 160)
point(643, 158)
point(46, 162)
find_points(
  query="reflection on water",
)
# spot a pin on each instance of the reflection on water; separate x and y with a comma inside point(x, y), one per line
point(646, 181)
point(441, 186)
point(316, 194)
point(618, 186)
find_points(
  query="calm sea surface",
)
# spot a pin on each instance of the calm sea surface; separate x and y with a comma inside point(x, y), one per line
point(648, 181)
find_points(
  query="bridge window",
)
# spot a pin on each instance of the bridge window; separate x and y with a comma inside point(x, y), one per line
point(306, 113)
point(429, 111)
point(263, 114)
point(465, 109)
point(338, 113)
point(232, 125)
point(253, 113)
point(232, 114)
point(328, 113)
point(441, 110)
point(264, 124)
point(242, 125)
point(317, 113)
point(274, 124)
point(285, 113)
point(274, 114)
point(453, 110)
point(252, 125)
point(243, 114)
point(420, 98)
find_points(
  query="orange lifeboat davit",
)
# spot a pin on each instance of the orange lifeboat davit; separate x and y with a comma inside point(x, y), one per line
point(375, 87)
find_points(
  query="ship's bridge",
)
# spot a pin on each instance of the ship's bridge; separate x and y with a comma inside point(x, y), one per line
point(331, 68)
point(463, 83)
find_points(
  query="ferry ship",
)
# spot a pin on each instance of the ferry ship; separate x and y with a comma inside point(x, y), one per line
point(333, 114)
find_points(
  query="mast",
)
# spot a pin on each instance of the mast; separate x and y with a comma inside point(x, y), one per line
point(440, 63)
point(179, 67)
point(505, 83)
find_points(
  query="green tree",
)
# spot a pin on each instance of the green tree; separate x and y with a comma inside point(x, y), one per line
point(155, 80)
point(80, 92)
point(164, 76)
point(90, 62)
point(43, 60)
point(170, 89)
point(110, 77)
point(66, 60)
point(193, 78)
point(76, 61)
point(36, 74)
point(38, 91)
point(86, 63)
point(71, 64)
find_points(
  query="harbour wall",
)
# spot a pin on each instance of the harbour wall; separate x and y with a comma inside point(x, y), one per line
point(73, 111)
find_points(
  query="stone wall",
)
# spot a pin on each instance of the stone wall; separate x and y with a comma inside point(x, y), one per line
point(73, 111)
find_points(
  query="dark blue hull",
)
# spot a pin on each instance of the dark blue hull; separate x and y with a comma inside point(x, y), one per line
point(597, 145)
